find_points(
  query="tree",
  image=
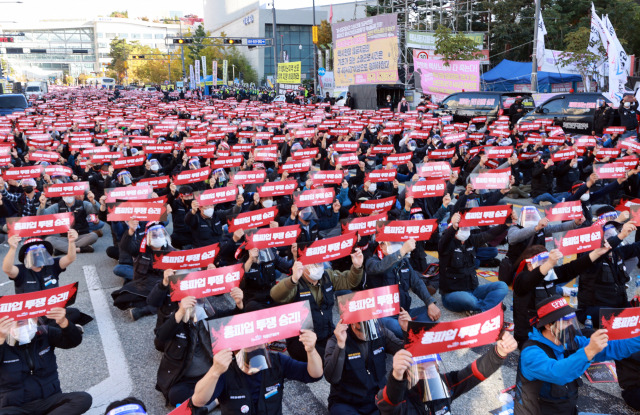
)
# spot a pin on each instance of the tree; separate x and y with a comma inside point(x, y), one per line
point(119, 51)
point(124, 14)
point(82, 79)
point(454, 47)
point(199, 36)
point(577, 55)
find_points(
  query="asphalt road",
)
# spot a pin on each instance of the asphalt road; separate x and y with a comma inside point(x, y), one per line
point(117, 358)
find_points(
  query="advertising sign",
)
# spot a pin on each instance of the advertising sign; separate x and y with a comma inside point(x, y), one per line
point(435, 78)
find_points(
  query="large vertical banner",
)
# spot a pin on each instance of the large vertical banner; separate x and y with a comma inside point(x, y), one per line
point(365, 51)
point(204, 66)
point(214, 73)
point(435, 78)
point(197, 62)
point(225, 75)
point(192, 78)
point(290, 73)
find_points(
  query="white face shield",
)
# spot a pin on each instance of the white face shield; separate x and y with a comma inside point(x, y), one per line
point(426, 378)
point(158, 237)
point(529, 217)
point(566, 330)
point(367, 330)
point(253, 359)
point(22, 332)
point(37, 256)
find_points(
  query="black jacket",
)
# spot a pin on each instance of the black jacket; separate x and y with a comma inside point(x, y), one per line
point(628, 116)
point(602, 119)
point(541, 179)
point(30, 372)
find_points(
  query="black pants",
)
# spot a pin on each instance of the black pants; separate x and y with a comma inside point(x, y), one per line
point(183, 390)
point(296, 349)
point(74, 403)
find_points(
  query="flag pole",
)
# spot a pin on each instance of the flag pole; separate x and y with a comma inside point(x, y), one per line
point(534, 57)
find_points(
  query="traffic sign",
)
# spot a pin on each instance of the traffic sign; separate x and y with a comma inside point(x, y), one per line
point(261, 42)
point(321, 71)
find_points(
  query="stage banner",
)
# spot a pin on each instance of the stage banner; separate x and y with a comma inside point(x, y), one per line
point(434, 77)
point(365, 51)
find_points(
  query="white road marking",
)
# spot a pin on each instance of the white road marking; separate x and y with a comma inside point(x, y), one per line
point(118, 385)
point(5, 283)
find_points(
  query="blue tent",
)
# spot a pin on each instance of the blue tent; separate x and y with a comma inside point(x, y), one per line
point(209, 78)
point(509, 73)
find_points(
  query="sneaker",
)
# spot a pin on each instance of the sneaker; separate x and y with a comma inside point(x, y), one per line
point(86, 249)
point(137, 313)
point(80, 328)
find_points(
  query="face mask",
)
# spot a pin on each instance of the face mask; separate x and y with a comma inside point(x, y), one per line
point(154, 168)
point(208, 212)
point(551, 275)
point(584, 197)
point(267, 203)
point(23, 334)
point(240, 190)
point(463, 235)
point(372, 188)
point(316, 273)
point(28, 189)
point(627, 105)
point(392, 248)
point(69, 200)
point(157, 242)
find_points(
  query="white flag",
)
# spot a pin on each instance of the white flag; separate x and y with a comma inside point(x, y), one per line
point(618, 63)
point(542, 31)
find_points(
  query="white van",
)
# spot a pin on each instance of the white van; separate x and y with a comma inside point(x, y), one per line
point(37, 88)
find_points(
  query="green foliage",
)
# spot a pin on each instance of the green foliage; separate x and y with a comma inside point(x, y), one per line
point(325, 36)
point(576, 54)
point(195, 49)
point(454, 46)
point(124, 13)
point(119, 51)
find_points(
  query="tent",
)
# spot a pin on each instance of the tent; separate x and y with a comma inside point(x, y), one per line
point(209, 78)
point(509, 73)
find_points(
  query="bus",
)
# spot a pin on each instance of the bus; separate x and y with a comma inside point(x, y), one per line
point(106, 83)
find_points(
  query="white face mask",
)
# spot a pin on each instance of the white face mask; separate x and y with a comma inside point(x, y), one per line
point(267, 203)
point(208, 212)
point(372, 188)
point(392, 248)
point(157, 242)
point(463, 235)
point(69, 200)
point(240, 190)
point(316, 272)
point(585, 197)
point(627, 105)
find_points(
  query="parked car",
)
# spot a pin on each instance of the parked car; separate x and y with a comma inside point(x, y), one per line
point(467, 105)
point(573, 112)
point(10, 103)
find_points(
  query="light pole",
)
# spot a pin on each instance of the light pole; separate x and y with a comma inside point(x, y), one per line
point(275, 46)
point(315, 60)
point(184, 71)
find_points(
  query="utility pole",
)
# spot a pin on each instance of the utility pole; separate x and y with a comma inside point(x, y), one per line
point(275, 45)
point(184, 71)
point(315, 56)
point(534, 57)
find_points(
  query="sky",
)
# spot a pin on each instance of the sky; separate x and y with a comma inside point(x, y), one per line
point(36, 10)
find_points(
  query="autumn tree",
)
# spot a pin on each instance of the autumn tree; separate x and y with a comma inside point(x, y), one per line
point(123, 13)
point(199, 38)
point(119, 51)
point(455, 47)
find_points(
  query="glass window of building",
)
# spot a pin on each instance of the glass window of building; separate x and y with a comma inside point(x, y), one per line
point(136, 36)
point(147, 36)
point(159, 36)
point(100, 35)
point(123, 35)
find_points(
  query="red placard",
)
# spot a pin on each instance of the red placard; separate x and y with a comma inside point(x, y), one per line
point(435, 170)
point(158, 149)
point(142, 211)
point(350, 159)
point(105, 157)
point(634, 211)
point(19, 173)
point(128, 193)
point(328, 249)
point(273, 237)
point(454, 138)
point(192, 176)
point(630, 162)
point(205, 152)
point(381, 176)
point(562, 155)
point(382, 149)
point(315, 197)
point(369, 304)
point(398, 159)
point(66, 189)
point(377, 205)
point(607, 152)
point(498, 152)
point(249, 177)
point(442, 154)
point(491, 180)
point(188, 258)
point(273, 189)
point(614, 170)
point(346, 146)
point(578, 240)
point(254, 219)
point(201, 284)
point(427, 188)
point(485, 216)
point(259, 327)
point(266, 155)
point(365, 225)
point(155, 182)
point(403, 230)
point(305, 132)
point(241, 148)
point(57, 170)
point(226, 162)
point(328, 177)
point(564, 211)
point(306, 153)
point(625, 204)
point(214, 196)
point(427, 338)
point(620, 323)
point(38, 303)
point(126, 162)
point(28, 226)
point(48, 156)
point(614, 130)
point(296, 166)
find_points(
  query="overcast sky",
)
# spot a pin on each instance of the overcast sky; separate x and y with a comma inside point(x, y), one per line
point(35, 10)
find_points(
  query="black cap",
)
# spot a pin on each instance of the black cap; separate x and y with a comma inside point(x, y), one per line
point(551, 310)
point(31, 242)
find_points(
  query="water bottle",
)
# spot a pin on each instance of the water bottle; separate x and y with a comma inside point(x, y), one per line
point(588, 324)
point(573, 300)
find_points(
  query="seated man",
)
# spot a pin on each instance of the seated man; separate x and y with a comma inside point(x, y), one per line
point(35, 390)
point(459, 286)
